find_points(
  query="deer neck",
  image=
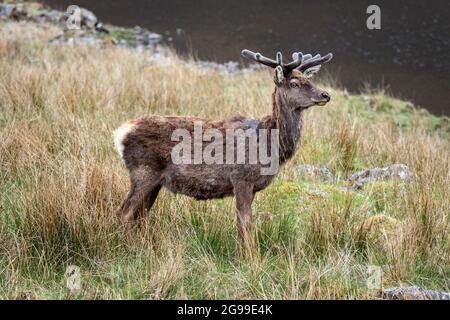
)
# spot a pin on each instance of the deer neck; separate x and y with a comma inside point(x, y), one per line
point(288, 122)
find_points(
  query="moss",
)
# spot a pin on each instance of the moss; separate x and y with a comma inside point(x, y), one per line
point(120, 33)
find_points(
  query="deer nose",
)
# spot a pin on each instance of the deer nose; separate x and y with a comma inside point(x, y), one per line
point(326, 96)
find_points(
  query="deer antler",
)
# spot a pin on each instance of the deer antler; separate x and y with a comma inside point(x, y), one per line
point(309, 61)
point(299, 61)
point(258, 57)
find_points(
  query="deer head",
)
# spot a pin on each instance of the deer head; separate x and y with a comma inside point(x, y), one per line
point(293, 79)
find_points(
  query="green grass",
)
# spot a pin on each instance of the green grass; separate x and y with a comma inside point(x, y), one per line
point(62, 181)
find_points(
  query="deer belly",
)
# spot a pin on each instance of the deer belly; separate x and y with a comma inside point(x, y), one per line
point(199, 181)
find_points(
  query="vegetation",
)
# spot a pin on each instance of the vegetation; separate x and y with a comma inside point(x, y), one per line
point(61, 182)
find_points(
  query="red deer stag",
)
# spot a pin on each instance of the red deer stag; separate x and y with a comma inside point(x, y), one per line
point(146, 145)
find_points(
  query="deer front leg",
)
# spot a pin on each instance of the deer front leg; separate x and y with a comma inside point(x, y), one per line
point(243, 192)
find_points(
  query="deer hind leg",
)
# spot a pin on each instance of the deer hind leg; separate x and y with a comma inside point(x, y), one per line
point(151, 198)
point(144, 190)
point(244, 194)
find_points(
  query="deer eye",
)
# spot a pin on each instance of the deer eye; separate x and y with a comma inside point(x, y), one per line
point(293, 84)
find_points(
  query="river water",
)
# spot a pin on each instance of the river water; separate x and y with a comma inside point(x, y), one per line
point(409, 56)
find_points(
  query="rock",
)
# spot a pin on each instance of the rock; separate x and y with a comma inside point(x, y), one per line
point(231, 66)
point(6, 9)
point(309, 171)
point(87, 32)
point(225, 68)
point(145, 38)
point(399, 171)
point(255, 67)
point(414, 293)
point(14, 11)
point(88, 19)
point(160, 57)
point(52, 16)
point(356, 186)
point(90, 40)
point(77, 37)
point(154, 37)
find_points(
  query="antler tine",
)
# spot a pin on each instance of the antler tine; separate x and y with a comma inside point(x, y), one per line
point(279, 59)
point(314, 61)
point(259, 58)
point(296, 54)
point(297, 58)
point(300, 61)
point(307, 57)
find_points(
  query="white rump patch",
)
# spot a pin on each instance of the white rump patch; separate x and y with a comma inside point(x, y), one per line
point(120, 135)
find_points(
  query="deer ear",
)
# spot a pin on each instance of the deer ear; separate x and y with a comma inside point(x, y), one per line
point(308, 73)
point(279, 75)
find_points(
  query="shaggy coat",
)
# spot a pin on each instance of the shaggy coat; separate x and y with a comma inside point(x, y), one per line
point(145, 146)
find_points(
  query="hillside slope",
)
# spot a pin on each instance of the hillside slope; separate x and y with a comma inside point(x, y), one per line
point(61, 181)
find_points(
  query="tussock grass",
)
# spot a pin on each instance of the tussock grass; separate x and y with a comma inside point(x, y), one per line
point(61, 182)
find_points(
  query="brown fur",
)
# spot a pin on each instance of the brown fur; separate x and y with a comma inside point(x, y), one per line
point(147, 155)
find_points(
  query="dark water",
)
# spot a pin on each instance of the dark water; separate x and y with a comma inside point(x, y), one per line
point(409, 56)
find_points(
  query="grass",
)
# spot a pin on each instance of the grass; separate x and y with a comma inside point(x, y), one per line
point(61, 181)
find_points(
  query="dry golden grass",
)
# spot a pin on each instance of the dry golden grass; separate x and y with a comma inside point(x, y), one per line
point(61, 181)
